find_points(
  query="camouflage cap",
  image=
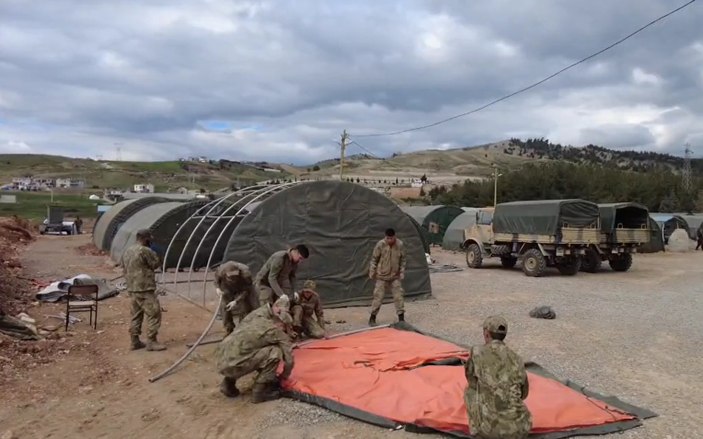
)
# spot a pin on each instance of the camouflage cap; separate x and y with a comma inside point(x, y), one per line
point(237, 269)
point(309, 285)
point(283, 305)
point(496, 325)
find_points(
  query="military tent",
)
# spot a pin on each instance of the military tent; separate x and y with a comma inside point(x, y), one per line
point(164, 220)
point(454, 236)
point(110, 222)
point(669, 222)
point(434, 219)
point(340, 222)
point(694, 221)
point(656, 238)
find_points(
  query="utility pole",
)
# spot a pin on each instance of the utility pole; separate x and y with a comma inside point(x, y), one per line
point(686, 172)
point(495, 184)
point(343, 144)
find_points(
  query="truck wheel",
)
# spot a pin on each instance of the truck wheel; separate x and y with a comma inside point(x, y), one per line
point(508, 261)
point(591, 261)
point(569, 266)
point(474, 259)
point(621, 262)
point(533, 263)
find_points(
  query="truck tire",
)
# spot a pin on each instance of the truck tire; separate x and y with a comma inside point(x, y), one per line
point(621, 262)
point(499, 250)
point(591, 261)
point(569, 266)
point(533, 263)
point(474, 258)
point(508, 261)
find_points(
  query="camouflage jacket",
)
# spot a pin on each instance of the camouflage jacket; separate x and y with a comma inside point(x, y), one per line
point(387, 263)
point(234, 287)
point(278, 273)
point(497, 386)
point(311, 305)
point(256, 331)
point(139, 263)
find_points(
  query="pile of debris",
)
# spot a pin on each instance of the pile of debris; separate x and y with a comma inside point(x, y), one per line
point(15, 292)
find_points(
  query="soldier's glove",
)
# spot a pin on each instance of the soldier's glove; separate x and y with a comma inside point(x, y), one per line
point(372, 275)
point(219, 292)
point(296, 297)
point(230, 306)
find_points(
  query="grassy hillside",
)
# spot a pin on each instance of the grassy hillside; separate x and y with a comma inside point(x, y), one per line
point(118, 174)
point(33, 205)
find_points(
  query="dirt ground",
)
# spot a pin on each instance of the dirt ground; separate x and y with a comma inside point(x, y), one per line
point(636, 335)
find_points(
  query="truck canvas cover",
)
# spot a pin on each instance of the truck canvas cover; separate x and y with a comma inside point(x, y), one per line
point(544, 217)
point(629, 215)
point(398, 376)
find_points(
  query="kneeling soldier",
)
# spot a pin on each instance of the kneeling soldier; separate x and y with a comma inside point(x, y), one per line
point(308, 306)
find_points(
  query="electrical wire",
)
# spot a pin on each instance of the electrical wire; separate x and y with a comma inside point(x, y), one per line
point(363, 148)
point(522, 90)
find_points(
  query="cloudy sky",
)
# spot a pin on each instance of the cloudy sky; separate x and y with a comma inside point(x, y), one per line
point(279, 81)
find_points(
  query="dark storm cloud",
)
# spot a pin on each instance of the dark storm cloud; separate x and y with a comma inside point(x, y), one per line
point(288, 77)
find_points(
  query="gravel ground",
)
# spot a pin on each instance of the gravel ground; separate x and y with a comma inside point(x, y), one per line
point(635, 335)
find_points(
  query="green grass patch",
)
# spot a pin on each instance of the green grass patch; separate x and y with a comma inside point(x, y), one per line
point(33, 205)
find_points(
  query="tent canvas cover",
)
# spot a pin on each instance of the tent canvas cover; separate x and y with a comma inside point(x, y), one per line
point(435, 219)
point(544, 217)
point(454, 236)
point(399, 376)
point(340, 223)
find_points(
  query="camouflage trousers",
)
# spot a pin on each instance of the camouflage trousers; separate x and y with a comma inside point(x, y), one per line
point(266, 294)
point(307, 322)
point(379, 292)
point(265, 361)
point(484, 425)
point(145, 304)
point(246, 304)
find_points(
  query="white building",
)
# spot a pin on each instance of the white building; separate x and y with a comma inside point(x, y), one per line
point(69, 183)
point(147, 188)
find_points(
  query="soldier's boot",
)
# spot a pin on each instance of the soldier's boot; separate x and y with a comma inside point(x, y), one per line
point(153, 345)
point(228, 387)
point(264, 392)
point(401, 317)
point(372, 320)
point(136, 343)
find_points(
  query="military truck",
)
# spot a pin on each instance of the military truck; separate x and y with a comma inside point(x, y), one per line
point(540, 233)
point(624, 227)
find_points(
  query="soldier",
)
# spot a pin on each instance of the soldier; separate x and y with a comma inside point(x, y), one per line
point(259, 343)
point(234, 283)
point(306, 307)
point(387, 268)
point(139, 262)
point(497, 387)
point(277, 276)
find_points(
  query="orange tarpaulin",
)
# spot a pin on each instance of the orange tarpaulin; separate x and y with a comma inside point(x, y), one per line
point(385, 372)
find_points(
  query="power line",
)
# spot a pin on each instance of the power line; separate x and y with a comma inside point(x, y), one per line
point(363, 148)
point(475, 110)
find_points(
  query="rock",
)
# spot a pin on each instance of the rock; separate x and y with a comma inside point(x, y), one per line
point(9, 434)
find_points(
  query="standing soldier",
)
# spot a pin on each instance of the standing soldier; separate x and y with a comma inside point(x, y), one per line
point(259, 343)
point(497, 387)
point(139, 262)
point(306, 307)
point(388, 269)
point(234, 284)
point(277, 276)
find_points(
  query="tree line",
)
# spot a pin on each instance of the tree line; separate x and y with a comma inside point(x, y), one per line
point(659, 190)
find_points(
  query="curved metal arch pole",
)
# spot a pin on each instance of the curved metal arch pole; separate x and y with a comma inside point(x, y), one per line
point(173, 238)
point(215, 312)
point(214, 246)
point(197, 227)
point(207, 232)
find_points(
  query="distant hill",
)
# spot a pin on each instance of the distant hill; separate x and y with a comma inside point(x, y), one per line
point(477, 161)
point(165, 176)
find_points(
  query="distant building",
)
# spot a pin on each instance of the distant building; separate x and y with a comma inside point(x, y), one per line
point(70, 183)
point(147, 188)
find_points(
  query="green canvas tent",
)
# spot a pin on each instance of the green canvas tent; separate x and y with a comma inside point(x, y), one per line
point(434, 219)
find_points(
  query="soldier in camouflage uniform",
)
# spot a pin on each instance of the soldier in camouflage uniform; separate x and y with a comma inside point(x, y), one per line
point(234, 283)
point(259, 343)
point(497, 387)
point(277, 276)
point(306, 307)
point(139, 262)
point(387, 268)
